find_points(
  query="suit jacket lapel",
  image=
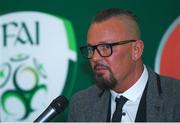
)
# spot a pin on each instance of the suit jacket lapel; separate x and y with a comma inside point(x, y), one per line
point(154, 99)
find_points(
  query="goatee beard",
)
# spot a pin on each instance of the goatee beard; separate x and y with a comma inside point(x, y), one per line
point(103, 83)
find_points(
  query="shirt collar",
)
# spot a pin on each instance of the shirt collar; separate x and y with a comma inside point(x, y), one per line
point(135, 91)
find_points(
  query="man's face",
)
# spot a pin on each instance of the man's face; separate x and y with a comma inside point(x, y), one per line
point(115, 69)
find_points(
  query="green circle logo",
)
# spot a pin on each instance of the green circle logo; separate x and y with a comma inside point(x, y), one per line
point(37, 63)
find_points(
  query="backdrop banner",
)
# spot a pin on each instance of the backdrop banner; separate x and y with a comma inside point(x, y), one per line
point(39, 49)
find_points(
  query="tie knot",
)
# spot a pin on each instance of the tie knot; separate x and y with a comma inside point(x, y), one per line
point(121, 101)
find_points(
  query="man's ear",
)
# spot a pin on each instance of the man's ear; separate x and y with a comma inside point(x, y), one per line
point(137, 50)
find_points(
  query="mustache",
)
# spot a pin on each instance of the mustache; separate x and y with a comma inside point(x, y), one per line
point(101, 65)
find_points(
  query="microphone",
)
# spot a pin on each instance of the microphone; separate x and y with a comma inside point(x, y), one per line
point(57, 106)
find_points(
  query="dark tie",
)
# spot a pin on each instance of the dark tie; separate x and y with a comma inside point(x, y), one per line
point(118, 112)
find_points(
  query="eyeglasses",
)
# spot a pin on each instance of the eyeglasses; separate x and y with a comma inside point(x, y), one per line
point(104, 50)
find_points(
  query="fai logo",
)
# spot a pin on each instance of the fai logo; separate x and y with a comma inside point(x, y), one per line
point(168, 56)
point(37, 58)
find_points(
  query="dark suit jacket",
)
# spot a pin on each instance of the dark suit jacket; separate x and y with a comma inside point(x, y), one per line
point(162, 101)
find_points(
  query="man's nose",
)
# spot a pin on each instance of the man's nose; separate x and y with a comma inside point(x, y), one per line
point(96, 56)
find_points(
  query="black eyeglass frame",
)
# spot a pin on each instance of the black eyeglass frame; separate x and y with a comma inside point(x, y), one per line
point(109, 44)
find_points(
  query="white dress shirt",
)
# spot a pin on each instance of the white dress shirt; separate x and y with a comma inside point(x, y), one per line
point(133, 94)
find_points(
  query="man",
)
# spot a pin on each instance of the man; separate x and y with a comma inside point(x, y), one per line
point(114, 50)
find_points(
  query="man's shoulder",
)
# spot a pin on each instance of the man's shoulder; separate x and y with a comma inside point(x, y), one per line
point(170, 86)
point(87, 95)
point(163, 78)
point(168, 78)
point(170, 83)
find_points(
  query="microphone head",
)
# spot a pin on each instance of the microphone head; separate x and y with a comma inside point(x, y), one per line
point(59, 104)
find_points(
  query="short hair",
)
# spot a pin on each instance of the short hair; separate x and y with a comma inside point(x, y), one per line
point(113, 12)
point(116, 12)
